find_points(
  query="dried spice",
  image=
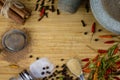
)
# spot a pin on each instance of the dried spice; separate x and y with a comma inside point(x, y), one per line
point(30, 56)
point(96, 40)
point(83, 23)
point(36, 7)
point(101, 51)
point(58, 12)
point(87, 6)
point(52, 8)
point(99, 30)
point(106, 36)
point(85, 33)
point(105, 67)
point(45, 7)
point(93, 29)
point(85, 59)
point(110, 42)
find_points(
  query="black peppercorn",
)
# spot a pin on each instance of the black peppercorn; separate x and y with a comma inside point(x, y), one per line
point(85, 33)
point(42, 73)
point(30, 56)
point(96, 39)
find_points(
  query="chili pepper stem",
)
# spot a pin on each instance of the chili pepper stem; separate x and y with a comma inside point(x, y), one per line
point(91, 37)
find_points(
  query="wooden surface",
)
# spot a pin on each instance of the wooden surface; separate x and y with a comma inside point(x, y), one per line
point(56, 37)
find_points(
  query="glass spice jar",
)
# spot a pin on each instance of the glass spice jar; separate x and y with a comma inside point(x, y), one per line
point(14, 40)
point(39, 69)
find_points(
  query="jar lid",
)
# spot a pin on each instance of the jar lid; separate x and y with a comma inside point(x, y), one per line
point(14, 40)
point(25, 75)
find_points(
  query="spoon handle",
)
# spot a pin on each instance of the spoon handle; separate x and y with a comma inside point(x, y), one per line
point(82, 77)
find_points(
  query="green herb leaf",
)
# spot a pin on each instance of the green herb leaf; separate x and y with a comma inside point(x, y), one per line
point(111, 50)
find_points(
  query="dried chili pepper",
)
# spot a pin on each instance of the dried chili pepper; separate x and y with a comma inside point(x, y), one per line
point(116, 78)
point(42, 12)
point(98, 63)
point(93, 29)
point(85, 59)
point(102, 51)
point(110, 42)
point(96, 58)
point(83, 23)
point(87, 70)
point(36, 7)
point(86, 65)
point(116, 50)
point(117, 63)
point(40, 18)
point(106, 36)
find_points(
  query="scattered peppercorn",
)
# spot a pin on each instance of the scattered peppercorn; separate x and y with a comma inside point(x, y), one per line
point(48, 72)
point(83, 23)
point(85, 33)
point(42, 73)
point(30, 56)
point(43, 68)
point(47, 67)
point(62, 59)
point(57, 66)
point(96, 39)
point(37, 58)
point(52, 79)
point(99, 30)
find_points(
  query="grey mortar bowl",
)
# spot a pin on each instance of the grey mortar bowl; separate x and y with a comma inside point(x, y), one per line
point(107, 13)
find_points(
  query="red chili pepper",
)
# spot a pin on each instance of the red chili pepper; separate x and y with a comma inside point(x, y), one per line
point(86, 65)
point(110, 42)
point(101, 51)
point(108, 71)
point(116, 78)
point(116, 50)
point(106, 36)
point(85, 59)
point(96, 58)
point(93, 29)
point(118, 63)
point(42, 12)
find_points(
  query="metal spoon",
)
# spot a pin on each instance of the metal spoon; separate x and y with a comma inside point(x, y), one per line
point(75, 67)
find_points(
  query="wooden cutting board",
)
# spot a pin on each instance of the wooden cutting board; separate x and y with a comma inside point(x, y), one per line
point(56, 37)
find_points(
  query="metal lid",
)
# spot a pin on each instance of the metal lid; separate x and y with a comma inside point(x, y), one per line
point(14, 40)
point(25, 75)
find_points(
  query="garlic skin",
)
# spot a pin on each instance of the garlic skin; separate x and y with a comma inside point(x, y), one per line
point(36, 68)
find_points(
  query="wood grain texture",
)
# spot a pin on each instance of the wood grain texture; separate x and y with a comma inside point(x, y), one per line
point(56, 37)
